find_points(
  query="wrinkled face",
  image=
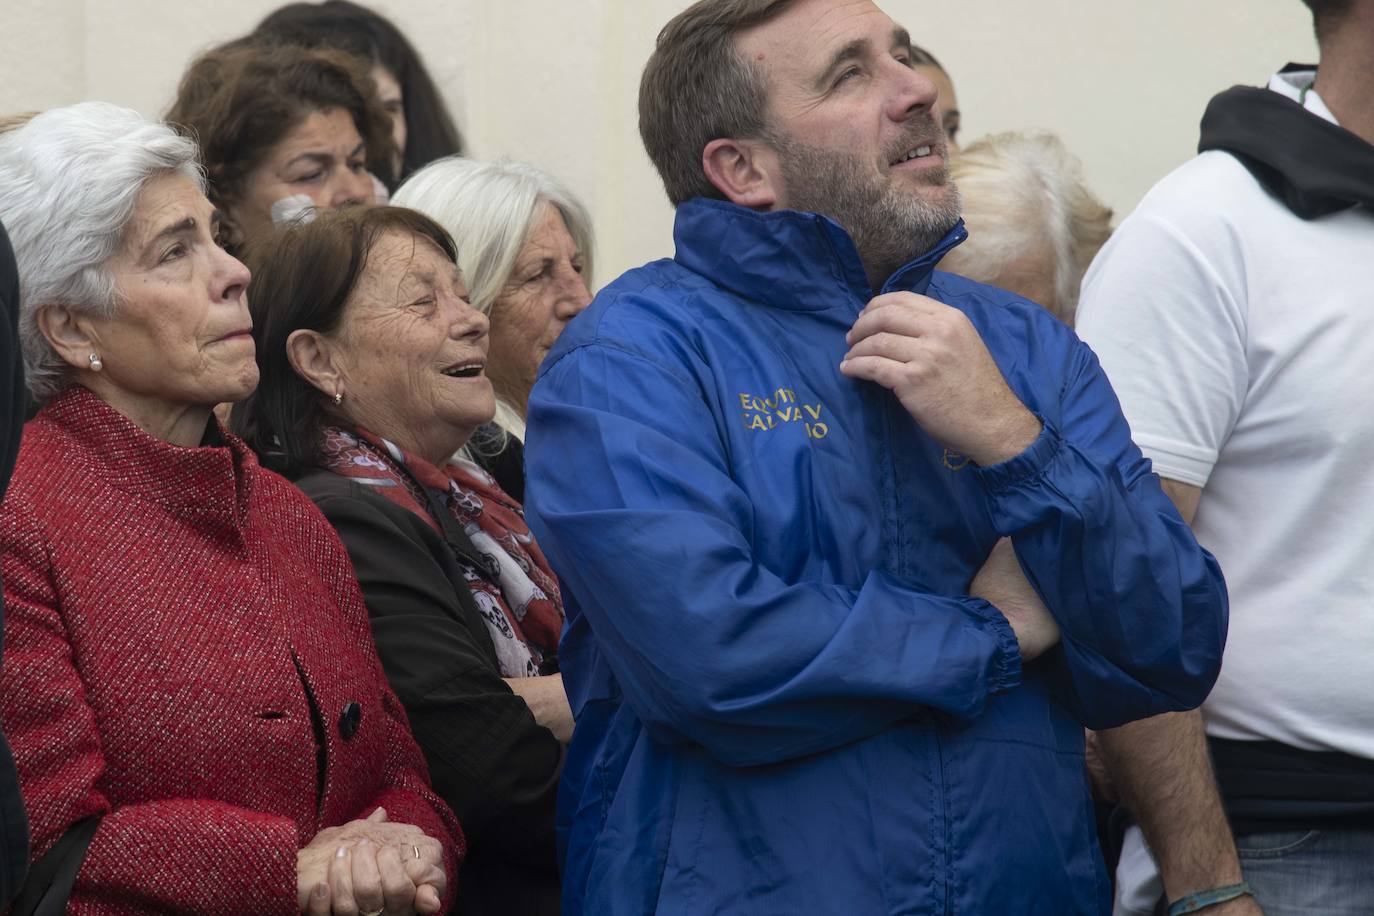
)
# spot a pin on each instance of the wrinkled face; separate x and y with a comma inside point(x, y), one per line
point(181, 334)
point(412, 352)
point(324, 159)
point(853, 126)
point(946, 103)
point(394, 103)
point(545, 292)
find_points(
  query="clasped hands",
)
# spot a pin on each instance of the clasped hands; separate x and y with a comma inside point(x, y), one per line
point(932, 358)
point(370, 866)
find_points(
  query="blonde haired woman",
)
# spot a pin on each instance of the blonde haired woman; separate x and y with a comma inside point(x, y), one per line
point(1033, 225)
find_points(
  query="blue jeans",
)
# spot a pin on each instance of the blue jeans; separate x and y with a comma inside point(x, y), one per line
point(1310, 872)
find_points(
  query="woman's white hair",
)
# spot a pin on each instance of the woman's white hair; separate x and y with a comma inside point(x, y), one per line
point(69, 182)
point(491, 209)
point(1023, 194)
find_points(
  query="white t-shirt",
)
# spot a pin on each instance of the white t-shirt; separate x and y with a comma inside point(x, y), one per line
point(1240, 340)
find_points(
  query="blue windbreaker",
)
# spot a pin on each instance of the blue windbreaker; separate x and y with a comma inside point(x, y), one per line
point(786, 701)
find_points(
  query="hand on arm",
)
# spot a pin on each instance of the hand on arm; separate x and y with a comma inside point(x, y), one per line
point(1163, 773)
point(931, 357)
point(547, 701)
point(1002, 584)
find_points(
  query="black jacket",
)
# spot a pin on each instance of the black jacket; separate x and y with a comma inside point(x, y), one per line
point(14, 827)
point(488, 759)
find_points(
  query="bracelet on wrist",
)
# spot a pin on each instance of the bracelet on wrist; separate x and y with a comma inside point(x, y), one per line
point(1203, 899)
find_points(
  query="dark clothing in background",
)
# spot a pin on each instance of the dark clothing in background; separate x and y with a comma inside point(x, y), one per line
point(14, 830)
point(508, 467)
point(488, 759)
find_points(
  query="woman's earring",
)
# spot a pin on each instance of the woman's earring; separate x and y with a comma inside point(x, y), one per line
point(338, 399)
point(96, 364)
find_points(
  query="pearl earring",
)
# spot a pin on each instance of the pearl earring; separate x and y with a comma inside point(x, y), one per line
point(338, 399)
point(96, 364)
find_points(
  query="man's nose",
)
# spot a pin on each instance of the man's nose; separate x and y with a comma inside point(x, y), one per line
point(913, 92)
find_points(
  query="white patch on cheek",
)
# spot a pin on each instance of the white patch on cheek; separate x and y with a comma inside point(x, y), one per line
point(296, 209)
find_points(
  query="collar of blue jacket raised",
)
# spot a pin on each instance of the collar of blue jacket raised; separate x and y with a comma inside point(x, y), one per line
point(786, 258)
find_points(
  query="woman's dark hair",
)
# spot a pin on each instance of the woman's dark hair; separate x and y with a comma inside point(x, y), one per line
point(240, 100)
point(303, 278)
point(430, 132)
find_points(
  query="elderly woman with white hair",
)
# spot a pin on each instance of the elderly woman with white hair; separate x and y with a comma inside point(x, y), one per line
point(196, 707)
point(1033, 225)
point(525, 251)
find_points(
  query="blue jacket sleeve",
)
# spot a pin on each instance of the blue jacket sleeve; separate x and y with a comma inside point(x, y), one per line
point(1141, 607)
point(631, 500)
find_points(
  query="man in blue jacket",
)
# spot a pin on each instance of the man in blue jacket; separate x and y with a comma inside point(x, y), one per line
point(781, 476)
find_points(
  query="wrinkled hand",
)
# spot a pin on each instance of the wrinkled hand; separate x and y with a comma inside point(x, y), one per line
point(930, 356)
point(371, 865)
point(1002, 584)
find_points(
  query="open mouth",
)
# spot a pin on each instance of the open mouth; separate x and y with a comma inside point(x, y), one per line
point(465, 370)
point(918, 152)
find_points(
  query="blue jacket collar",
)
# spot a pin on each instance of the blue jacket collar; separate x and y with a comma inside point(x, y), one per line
point(785, 258)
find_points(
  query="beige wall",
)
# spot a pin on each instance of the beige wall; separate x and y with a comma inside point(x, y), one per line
point(554, 81)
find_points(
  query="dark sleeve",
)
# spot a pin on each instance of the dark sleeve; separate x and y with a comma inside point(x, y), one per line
point(508, 467)
point(488, 758)
point(14, 834)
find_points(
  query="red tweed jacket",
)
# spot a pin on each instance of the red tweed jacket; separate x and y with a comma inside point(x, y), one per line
point(187, 653)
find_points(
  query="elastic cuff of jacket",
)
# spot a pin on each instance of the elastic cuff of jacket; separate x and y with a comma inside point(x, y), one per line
point(1006, 666)
point(1025, 466)
point(1203, 899)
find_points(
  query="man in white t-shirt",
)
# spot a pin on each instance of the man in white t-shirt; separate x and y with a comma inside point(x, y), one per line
point(1234, 314)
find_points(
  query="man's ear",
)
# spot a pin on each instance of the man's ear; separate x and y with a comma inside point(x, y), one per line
point(745, 171)
point(311, 355)
point(71, 333)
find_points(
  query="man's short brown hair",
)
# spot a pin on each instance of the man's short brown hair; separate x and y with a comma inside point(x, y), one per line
point(1327, 14)
point(697, 88)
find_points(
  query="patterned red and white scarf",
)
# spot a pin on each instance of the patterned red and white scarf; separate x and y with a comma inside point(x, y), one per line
point(516, 591)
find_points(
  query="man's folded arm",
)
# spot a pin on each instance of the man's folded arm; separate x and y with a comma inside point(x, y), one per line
point(1141, 607)
point(632, 502)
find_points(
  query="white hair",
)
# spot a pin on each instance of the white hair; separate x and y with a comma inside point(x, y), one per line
point(491, 209)
point(70, 179)
point(1023, 194)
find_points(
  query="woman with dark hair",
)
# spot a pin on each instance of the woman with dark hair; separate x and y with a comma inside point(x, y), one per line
point(374, 375)
point(946, 103)
point(421, 126)
point(189, 683)
point(284, 132)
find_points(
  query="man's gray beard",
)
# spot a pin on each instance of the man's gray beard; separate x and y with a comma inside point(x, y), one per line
point(889, 227)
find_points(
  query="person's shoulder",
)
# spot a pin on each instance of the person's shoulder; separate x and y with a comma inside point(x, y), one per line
point(661, 293)
point(657, 312)
point(51, 470)
point(1210, 189)
point(353, 508)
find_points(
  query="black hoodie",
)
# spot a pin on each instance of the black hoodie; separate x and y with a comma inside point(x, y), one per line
point(1315, 167)
point(14, 835)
